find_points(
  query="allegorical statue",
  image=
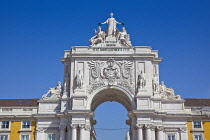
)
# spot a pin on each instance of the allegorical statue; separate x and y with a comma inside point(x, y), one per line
point(99, 37)
point(168, 93)
point(53, 93)
point(111, 30)
point(79, 80)
point(124, 37)
point(141, 80)
point(155, 83)
point(162, 87)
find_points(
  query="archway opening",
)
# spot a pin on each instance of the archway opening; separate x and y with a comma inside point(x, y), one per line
point(111, 107)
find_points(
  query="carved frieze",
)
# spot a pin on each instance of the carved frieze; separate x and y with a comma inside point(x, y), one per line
point(110, 72)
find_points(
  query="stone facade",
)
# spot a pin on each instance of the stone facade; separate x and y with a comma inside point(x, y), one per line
point(112, 70)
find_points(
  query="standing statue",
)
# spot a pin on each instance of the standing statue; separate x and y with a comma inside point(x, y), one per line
point(79, 80)
point(155, 83)
point(99, 37)
point(141, 80)
point(124, 37)
point(111, 30)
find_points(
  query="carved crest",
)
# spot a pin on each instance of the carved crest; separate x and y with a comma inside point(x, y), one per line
point(110, 72)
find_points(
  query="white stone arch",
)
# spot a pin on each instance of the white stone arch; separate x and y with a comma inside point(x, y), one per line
point(111, 93)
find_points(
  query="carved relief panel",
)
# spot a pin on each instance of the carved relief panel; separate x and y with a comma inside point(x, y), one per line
point(110, 72)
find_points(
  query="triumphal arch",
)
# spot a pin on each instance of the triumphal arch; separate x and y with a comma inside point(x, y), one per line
point(111, 69)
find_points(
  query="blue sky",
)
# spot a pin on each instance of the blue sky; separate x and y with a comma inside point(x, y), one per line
point(34, 34)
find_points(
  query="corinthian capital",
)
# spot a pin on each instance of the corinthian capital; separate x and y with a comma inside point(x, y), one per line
point(148, 126)
point(183, 129)
point(139, 126)
point(40, 129)
point(82, 125)
point(88, 127)
point(74, 126)
point(160, 128)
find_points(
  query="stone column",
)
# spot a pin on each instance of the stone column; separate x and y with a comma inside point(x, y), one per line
point(82, 132)
point(128, 136)
point(62, 132)
point(152, 132)
point(160, 133)
point(183, 133)
point(87, 131)
point(74, 131)
point(40, 133)
point(139, 131)
point(148, 131)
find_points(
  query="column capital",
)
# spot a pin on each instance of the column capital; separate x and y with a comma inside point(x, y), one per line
point(148, 126)
point(152, 127)
point(82, 125)
point(160, 128)
point(183, 129)
point(74, 126)
point(139, 126)
point(88, 127)
point(40, 129)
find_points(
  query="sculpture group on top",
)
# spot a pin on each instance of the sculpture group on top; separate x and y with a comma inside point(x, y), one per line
point(167, 93)
point(112, 37)
point(53, 93)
